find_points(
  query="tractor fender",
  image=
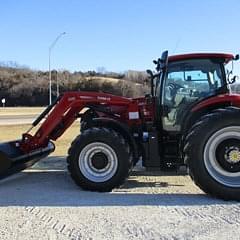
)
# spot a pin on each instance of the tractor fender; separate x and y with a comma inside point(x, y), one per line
point(206, 106)
point(196, 113)
point(222, 99)
point(119, 127)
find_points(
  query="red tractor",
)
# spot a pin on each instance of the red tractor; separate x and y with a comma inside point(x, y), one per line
point(190, 118)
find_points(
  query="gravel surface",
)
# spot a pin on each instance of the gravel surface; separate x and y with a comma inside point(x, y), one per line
point(45, 204)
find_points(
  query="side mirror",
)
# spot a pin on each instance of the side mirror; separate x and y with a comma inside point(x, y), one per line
point(236, 58)
point(150, 73)
point(162, 62)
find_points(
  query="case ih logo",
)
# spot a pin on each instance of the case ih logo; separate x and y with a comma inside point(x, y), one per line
point(104, 98)
point(85, 97)
point(70, 99)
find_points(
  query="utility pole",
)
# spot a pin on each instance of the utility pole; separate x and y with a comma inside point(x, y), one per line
point(49, 66)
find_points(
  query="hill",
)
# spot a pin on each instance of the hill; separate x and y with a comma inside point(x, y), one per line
point(26, 87)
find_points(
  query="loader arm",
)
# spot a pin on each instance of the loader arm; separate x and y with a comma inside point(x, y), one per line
point(20, 154)
point(65, 111)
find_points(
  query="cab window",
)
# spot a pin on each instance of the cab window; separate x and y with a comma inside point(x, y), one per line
point(187, 82)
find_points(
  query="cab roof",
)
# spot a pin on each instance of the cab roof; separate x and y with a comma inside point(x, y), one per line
point(225, 56)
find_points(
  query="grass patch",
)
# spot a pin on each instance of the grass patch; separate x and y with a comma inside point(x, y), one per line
point(20, 110)
point(62, 144)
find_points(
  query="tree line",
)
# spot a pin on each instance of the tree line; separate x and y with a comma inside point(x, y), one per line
point(26, 87)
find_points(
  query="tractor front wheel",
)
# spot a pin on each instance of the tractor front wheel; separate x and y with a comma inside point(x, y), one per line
point(212, 151)
point(99, 159)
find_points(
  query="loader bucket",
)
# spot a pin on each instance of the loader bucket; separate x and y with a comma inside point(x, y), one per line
point(13, 160)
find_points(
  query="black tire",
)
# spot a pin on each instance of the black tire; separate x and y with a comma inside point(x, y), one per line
point(209, 149)
point(114, 147)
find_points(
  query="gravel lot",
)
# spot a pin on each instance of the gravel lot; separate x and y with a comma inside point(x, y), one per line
point(45, 204)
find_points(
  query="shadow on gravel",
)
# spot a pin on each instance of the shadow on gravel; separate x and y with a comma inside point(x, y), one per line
point(131, 183)
point(55, 188)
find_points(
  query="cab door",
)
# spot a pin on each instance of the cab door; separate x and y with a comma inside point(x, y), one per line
point(187, 82)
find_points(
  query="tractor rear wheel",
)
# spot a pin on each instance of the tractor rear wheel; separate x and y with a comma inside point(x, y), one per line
point(212, 151)
point(99, 159)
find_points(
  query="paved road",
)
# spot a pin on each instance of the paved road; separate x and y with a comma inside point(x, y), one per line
point(17, 119)
point(44, 203)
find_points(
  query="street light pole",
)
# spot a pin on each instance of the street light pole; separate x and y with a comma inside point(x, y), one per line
point(57, 84)
point(49, 65)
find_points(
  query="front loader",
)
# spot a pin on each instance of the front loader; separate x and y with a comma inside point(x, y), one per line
point(190, 119)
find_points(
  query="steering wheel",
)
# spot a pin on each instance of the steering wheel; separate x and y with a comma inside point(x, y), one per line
point(171, 92)
point(175, 86)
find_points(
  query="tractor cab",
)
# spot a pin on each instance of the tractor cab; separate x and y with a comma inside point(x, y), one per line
point(182, 81)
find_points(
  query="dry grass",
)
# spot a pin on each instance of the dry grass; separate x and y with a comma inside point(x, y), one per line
point(104, 79)
point(62, 144)
point(20, 111)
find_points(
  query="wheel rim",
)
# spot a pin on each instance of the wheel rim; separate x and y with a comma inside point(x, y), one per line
point(222, 156)
point(98, 162)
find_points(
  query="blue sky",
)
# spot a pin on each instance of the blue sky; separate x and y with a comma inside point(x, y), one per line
point(117, 35)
